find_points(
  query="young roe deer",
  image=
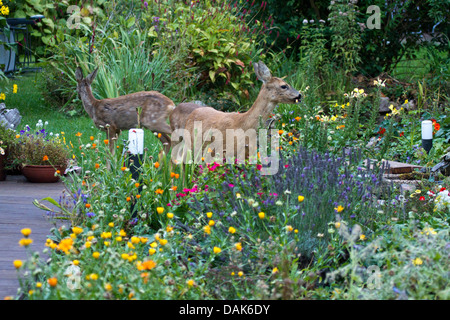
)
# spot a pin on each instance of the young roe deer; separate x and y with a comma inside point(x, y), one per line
point(121, 113)
point(273, 91)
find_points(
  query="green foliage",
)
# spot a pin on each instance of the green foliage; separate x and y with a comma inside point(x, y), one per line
point(345, 35)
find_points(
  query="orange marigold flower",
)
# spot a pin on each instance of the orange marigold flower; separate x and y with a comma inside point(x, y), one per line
point(128, 199)
point(156, 164)
point(159, 191)
point(52, 282)
point(106, 141)
point(78, 134)
point(97, 166)
point(45, 158)
point(87, 205)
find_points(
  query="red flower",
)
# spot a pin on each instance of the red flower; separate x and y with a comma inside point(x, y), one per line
point(422, 198)
point(401, 134)
point(381, 131)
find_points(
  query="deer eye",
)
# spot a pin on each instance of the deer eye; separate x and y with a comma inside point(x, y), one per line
point(283, 87)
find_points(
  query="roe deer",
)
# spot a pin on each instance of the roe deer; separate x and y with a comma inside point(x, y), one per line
point(121, 113)
point(273, 91)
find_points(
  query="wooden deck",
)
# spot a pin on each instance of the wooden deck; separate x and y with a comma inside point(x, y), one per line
point(17, 212)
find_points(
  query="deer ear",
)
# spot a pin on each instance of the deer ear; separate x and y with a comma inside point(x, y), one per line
point(92, 76)
point(262, 72)
point(78, 74)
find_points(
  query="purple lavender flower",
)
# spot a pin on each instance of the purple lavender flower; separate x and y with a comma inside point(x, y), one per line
point(90, 214)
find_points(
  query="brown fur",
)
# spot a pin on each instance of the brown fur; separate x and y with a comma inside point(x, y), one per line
point(117, 114)
point(273, 91)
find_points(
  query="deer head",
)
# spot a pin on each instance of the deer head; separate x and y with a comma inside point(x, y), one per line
point(84, 82)
point(278, 91)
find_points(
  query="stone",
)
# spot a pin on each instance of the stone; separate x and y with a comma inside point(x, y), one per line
point(9, 118)
point(385, 103)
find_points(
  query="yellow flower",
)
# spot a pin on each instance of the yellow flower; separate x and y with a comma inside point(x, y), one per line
point(337, 225)
point(163, 242)
point(261, 215)
point(339, 208)
point(93, 276)
point(207, 229)
point(77, 230)
point(274, 270)
point(135, 240)
point(209, 214)
point(65, 245)
point(362, 237)
point(240, 273)
point(26, 232)
point(15, 88)
point(417, 261)
point(289, 228)
point(151, 251)
point(217, 250)
point(17, 264)
point(301, 198)
point(170, 215)
point(96, 255)
point(160, 210)
point(25, 242)
point(211, 223)
point(238, 246)
point(75, 262)
point(190, 282)
point(231, 230)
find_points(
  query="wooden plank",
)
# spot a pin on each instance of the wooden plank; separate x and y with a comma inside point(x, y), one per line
point(17, 212)
point(396, 167)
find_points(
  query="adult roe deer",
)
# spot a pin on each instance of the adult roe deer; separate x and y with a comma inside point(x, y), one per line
point(273, 91)
point(121, 113)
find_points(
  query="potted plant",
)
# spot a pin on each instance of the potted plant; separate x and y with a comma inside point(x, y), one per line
point(7, 137)
point(42, 157)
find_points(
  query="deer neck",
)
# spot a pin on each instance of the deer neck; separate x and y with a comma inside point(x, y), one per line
point(88, 99)
point(260, 110)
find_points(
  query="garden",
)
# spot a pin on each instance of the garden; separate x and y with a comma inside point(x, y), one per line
point(334, 222)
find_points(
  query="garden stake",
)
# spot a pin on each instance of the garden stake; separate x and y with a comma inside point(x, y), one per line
point(427, 135)
point(136, 150)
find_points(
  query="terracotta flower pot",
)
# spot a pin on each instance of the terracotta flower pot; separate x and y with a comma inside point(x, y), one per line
point(41, 173)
